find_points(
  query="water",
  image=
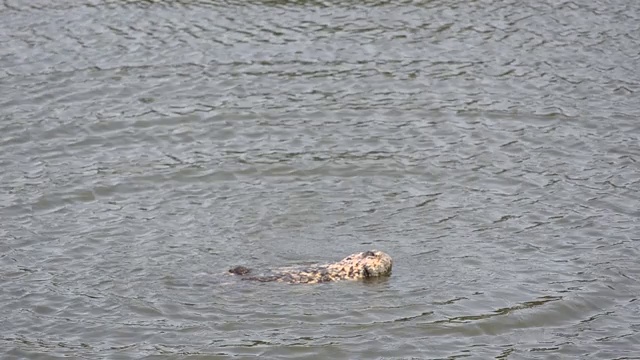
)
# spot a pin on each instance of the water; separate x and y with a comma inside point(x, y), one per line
point(490, 147)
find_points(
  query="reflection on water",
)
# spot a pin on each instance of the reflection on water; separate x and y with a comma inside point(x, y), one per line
point(489, 147)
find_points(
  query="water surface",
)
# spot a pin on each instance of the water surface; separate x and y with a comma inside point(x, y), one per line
point(490, 147)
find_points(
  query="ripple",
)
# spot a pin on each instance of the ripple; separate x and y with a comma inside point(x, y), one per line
point(490, 148)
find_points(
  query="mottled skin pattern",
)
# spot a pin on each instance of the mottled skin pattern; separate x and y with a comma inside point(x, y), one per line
point(368, 264)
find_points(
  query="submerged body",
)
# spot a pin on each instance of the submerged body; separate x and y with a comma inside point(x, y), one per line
point(368, 264)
